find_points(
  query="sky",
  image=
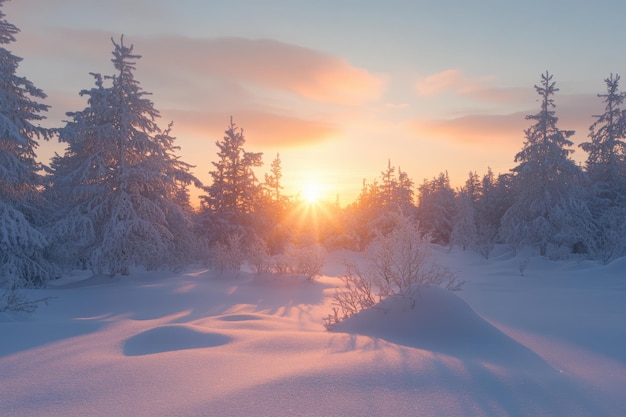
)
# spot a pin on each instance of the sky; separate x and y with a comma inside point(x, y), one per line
point(337, 88)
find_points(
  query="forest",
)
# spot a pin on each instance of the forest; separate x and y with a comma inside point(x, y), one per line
point(118, 197)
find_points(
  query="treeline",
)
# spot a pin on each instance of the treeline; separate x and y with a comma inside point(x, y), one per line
point(547, 202)
point(118, 197)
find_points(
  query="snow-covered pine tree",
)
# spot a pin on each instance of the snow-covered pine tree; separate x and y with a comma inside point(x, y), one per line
point(378, 204)
point(121, 190)
point(22, 244)
point(606, 162)
point(362, 214)
point(495, 199)
point(403, 193)
point(229, 202)
point(388, 184)
point(396, 191)
point(272, 183)
point(548, 211)
point(606, 167)
point(464, 230)
point(273, 209)
point(435, 211)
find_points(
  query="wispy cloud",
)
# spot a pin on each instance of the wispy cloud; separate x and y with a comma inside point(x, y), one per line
point(494, 130)
point(261, 64)
point(277, 91)
point(397, 106)
point(266, 63)
point(261, 129)
point(452, 80)
point(498, 133)
point(483, 89)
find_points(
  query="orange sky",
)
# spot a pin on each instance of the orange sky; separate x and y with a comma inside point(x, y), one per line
point(336, 90)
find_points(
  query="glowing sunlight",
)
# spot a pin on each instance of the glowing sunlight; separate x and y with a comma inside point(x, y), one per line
point(311, 192)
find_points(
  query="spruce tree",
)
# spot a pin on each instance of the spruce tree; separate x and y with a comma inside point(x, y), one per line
point(403, 194)
point(464, 227)
point(436, 209)
point(273, 207)
point(122, 191)
point(22, 243)
point(272, 181)
point(606, 167)
point(606, 162)
point(230, 201)
point(548, 211)
point(495, 200)
point(378, 205)
point(388, 184)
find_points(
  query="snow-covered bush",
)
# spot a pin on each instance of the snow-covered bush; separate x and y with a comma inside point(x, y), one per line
point(259, 259)
point(229, 255)
point(399, 263)
point(306, 260)
point(297, 260)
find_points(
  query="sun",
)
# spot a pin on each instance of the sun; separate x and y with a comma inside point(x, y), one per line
point(311, 193)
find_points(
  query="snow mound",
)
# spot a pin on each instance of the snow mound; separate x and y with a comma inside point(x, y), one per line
point(172, 338)
point(439, 322)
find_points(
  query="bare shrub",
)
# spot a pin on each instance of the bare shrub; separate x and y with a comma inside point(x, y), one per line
point(14, 300)
point(399, 263)
point(281, 264)
point(356, 296)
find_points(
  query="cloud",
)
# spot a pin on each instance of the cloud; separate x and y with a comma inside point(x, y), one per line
point(575, 112)
point(496, 133)
point(397, 106)
point(450, 80)
point(493, 130)
point(270, 87)
point(480, 88)
point(261, 129)
point(265, 63)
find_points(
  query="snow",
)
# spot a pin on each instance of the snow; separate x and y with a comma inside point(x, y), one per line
point(549, 343)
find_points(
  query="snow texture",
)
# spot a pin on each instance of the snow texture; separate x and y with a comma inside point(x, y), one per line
point(549, 343)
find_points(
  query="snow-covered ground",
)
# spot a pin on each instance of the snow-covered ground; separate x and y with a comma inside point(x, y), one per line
point(549, 343)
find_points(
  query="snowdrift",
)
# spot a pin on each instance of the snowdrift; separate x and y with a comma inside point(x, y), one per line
point(440, 322)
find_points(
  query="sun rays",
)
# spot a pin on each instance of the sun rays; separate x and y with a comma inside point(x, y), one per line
point(311, 193)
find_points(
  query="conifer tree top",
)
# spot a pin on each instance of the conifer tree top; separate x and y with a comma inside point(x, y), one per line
point(7, 30)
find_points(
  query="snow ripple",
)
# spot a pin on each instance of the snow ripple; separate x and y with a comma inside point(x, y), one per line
point(172, 338)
